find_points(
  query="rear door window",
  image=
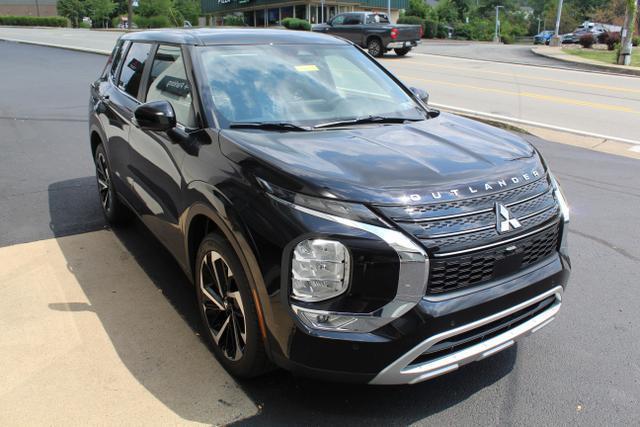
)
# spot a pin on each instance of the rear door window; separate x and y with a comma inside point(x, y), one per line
point(133, 67)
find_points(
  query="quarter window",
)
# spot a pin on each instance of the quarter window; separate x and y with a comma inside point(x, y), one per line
point(338, 20)
point(168, 82)
point(133, 67)
point(117, 58)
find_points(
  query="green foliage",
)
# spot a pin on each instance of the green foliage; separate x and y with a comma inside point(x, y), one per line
point(72, 9)
point(188, 10)
point(233, 21)
point(296, 24)
point(447, 12)
point(84, 25)
point(636, 40)
point(35, 21)
point(158, 21)
point(420, 9)
point(99, 10)
point(115, 22)
point(477, 29)
point(149, 8)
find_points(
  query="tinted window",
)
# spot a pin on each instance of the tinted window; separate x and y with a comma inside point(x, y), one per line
point(338, 20)
point(133, 67)
point(168, 81)
point(117, 57)
point(352, 20)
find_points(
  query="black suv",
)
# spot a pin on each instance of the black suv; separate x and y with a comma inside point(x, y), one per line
point(332, 223)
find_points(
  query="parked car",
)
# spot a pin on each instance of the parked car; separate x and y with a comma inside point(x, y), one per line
point(331, 221)
point(373, 31)
point(543, 38)
point(567, 38)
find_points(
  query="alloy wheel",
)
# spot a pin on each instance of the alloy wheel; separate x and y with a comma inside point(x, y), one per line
point(222, 304)
point(104, 181)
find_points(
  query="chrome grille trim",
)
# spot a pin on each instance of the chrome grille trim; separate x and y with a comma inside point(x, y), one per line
point(498, 243)
point(481, 211)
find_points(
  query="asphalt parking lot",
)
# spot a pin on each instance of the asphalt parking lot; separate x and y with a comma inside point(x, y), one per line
point(101, 326)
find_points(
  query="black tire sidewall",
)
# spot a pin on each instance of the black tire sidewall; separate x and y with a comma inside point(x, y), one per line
point(250, 363)
point(113, 213)
point(402, 52)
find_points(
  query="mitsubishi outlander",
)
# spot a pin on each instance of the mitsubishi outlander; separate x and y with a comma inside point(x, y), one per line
point(332, 222)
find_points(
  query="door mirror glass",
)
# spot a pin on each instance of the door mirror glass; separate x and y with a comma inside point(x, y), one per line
point(156, 116)
point(422, 94)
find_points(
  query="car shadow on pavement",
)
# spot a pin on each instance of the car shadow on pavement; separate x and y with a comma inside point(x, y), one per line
point(281, 397)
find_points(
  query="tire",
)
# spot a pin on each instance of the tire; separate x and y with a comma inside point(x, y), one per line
point(228, 310)
point(374, 46)
point(114, 211)
point(403, 51)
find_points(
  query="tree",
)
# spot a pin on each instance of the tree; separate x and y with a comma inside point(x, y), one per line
point(611, 14)
point(72, 9)
point(148, 8)
point(188, 9)
point(421, 9)
point(447, 12)
point(100, 10)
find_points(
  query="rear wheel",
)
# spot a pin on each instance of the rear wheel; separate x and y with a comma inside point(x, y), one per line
point(403, 51)
point(227, 309)
point(374, 46)
point(114, 211)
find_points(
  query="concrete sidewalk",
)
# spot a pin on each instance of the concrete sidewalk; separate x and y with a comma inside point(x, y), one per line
point(558, 54)
point(83, 40)
point(88, 339)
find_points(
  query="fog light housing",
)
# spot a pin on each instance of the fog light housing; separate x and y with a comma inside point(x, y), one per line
point(320, 270)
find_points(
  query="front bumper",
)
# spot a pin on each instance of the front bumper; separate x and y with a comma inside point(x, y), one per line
point(394, 354)
point(404, 371)
point(402, 45)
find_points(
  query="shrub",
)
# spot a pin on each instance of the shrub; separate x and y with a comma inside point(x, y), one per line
point(83, 24)
point(636, 40)
point(159, 21)
point(611, 39)
point(430, 28)
point(233, 21)
point(507, 39)
point(35, 21)
point(296, 24)
point(141, 21)
point(586, 41)
point(442, 32)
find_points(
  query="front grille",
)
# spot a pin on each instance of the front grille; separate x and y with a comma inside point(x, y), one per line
point(459, 271)
point(455, 233)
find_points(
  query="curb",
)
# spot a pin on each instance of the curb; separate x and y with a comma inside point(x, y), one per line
point(58, 46)
point(567, 58)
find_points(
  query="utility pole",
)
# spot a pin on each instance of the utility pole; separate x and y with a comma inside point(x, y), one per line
point(130, 15)
point(539, 24)
point(496, 37)
point(322, 12)
point(555, 40)
point(627, 32)
point(389, 10)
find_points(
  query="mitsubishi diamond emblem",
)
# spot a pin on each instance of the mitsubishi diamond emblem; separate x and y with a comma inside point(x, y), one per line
point(505, 220)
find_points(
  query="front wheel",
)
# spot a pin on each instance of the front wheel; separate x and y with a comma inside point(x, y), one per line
point(228, 310)
point(402, 51)
point(114, 211)
point(374, 46)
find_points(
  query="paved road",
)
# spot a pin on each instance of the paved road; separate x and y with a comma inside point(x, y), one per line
point(591, 102)
point(520, 54)
point(583, 369)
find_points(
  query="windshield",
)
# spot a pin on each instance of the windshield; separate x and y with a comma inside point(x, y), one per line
point(305, 85)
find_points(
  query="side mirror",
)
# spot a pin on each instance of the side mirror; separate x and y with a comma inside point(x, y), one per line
point(421, 93)
point(156, 115)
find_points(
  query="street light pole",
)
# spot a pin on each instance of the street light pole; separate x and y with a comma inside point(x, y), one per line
point(555, 40)
point(389, 10)
point(496, 37)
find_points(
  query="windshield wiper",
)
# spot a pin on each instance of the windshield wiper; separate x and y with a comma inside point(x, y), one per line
point(269, 126)
point(365, 120)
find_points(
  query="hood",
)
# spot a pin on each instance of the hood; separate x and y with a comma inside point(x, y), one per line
point(444, 158)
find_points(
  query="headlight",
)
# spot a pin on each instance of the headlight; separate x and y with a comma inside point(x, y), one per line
point(562, 200)
point(320, 270)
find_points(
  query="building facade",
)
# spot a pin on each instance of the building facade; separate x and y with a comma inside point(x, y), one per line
point(267, 13)
point(28, 7)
